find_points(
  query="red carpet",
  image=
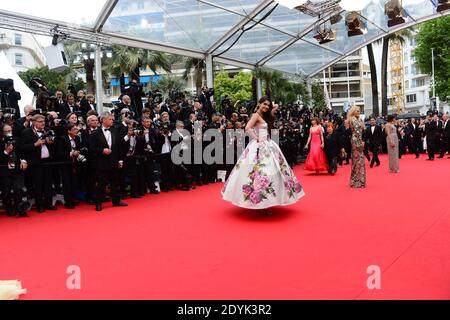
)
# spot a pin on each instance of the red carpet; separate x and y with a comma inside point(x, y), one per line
point(192, 245)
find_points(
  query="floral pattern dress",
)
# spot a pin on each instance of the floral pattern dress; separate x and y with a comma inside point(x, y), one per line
point(262, 177)
point(358, 175)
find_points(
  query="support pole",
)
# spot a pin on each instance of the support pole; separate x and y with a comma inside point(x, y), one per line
point(98, 80)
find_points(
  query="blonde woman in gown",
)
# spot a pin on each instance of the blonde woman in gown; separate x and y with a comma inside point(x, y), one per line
point(262, 177)
point(358, 173)
point(392, 144)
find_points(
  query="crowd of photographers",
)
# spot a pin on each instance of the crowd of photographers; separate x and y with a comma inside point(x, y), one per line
point(64, 147)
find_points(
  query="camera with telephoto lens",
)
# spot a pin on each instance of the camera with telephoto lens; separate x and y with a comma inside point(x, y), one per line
point(50, 134)
point(81, 157)
point(7, 113)
point(9, 140)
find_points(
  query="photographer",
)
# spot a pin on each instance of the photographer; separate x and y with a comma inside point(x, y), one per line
point(23, 122)
point(106, 147)
point(146, 144)
point(126, 104)
point(88, 104)
point(9, 98)
point(11, 174)
point(164, 149)
point(69, 107)
point(70, 151)
point(129, 143)
point(135, 92)
point(88, 176)
point(37, 148)
point(205, 99)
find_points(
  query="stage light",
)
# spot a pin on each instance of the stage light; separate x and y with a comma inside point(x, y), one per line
point(291, 4)
point(354, 5)
point(355, 25)
point(325, 35)
point(335, 19)
point(443, 5)
point(393, 9)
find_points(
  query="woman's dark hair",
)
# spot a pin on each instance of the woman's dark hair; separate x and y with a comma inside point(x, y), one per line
point(267, 116)
point(391, 117)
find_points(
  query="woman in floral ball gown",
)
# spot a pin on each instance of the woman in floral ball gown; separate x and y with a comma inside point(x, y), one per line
point(358, 173)
point(262, 177)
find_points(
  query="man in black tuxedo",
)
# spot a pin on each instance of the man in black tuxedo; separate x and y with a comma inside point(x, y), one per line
point(432, 135)
point(445, 146)
point(412, 133)
point(68, 149)
point(373, 137)
point(92, 125)
point(105, 144)
point(145, 150)
point(38, 152)
point(87, 104)
point(69, 107)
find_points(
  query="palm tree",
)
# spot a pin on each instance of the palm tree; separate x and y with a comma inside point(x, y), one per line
point(169, 83)
point(400, 37)
point(374, 81)
point(78, 52)
point(199, 67)
point(132, 60)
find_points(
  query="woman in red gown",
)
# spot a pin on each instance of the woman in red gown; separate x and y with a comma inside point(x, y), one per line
point(317, 160)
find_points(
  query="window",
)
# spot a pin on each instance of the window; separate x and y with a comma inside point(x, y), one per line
point(419, 83)
point(406, 70)
point(19, 59)
point(18, 39)
point(406, 57)
point(140, 5)
point(411, 98)
point(406, 84)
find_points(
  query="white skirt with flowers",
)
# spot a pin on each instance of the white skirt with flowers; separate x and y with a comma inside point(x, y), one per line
point(262, 178)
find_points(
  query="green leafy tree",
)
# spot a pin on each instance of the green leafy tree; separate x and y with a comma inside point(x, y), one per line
point(318, 98)
point(236, 88)
point(435, 34)
point(53, 80)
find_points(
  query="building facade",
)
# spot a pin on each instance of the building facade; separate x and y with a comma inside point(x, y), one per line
point(22, 50)
point(345, 81)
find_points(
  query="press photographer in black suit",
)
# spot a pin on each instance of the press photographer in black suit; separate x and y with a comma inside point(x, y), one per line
point(373, 138)
point(432, 135)
point(413, 134)
point(37, 148)
point(105, 145)
point(69, 107)
point(445, 145)
point(69, 150)
point(88, 176)
point(145, 150)
point(11, 173)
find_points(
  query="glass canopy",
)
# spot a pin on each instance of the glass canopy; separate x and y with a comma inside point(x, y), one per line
point(246, 32)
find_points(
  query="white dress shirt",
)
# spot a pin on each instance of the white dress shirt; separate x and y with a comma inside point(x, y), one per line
point(45, 154)
point(107, 134)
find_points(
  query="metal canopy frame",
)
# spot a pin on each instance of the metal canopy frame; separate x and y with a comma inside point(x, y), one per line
point(96, 35)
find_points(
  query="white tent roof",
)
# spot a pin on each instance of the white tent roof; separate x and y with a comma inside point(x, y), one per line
point(8, 72)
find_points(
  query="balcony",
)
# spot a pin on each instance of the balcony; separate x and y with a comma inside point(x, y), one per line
point(344, 94)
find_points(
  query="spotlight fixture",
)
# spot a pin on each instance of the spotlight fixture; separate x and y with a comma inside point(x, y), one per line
point(324, 35)
point(443, 5)
point(355, 25)
point(394, 10)
point(335, 19)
